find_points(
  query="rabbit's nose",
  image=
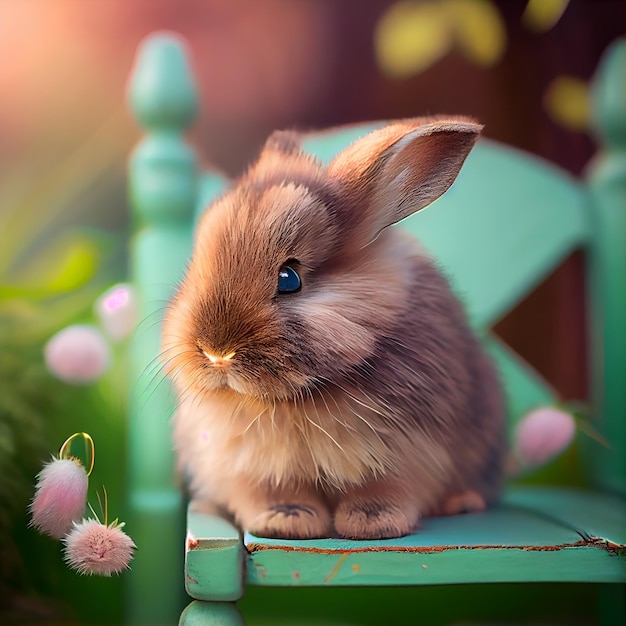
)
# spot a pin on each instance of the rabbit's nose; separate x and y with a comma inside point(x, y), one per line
point(219, 360)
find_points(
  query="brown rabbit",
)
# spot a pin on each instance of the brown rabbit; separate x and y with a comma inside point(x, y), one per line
point(328, 381)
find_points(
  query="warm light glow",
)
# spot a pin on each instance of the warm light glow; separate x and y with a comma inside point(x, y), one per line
point(541, 15)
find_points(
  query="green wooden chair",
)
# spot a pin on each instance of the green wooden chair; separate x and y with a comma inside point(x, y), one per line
point(525, 217)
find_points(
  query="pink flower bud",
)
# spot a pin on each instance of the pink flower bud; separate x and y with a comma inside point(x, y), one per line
point(117, 311)
point(93, 548)
point(542, 435)
point(78, 354)
point(60, 497)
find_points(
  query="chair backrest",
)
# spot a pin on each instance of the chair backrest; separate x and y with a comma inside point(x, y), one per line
point(506, 223)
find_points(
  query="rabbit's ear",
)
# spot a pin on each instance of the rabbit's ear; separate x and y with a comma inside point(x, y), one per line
point(401, 168)
point(282, 159)
point(285, 141)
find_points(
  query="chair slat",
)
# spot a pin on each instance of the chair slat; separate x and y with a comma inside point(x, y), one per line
point(523, 539)
point(507, 221)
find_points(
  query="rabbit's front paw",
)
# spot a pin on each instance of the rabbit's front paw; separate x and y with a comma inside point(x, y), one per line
point(363, 519)
point(292, 521)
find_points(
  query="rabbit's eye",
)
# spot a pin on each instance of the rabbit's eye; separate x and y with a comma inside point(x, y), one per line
point(288, 280)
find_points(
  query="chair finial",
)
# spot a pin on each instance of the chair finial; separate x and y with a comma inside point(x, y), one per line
point(161, 90)
point(608, 96)
point(163, 168)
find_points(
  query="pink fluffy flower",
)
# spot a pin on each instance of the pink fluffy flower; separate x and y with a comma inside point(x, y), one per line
point(60, 497)
point(95, 548)
point(117, 311)
point(542, 435)
point(78, 354)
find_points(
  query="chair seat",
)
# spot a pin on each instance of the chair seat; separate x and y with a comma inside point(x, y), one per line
point(535, 534)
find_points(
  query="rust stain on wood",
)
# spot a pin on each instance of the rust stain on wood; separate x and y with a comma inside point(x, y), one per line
point(592, 541)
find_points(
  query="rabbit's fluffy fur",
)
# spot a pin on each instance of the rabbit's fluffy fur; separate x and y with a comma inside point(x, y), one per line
point(360, 403)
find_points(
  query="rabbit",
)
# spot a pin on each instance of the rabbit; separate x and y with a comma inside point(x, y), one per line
point(328, 381)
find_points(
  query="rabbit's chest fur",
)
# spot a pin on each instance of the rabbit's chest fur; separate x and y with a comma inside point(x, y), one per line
point(333, 441)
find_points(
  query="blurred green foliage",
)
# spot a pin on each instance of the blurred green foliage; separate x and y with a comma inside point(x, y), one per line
point(51, 272)
point(37, 413)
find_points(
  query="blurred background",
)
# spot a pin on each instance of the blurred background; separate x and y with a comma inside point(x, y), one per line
point(520, 66)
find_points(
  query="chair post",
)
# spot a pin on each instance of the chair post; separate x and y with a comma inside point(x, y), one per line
point(607, 186)
point(607, 265)
point(211, 614)
point(163, 180)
